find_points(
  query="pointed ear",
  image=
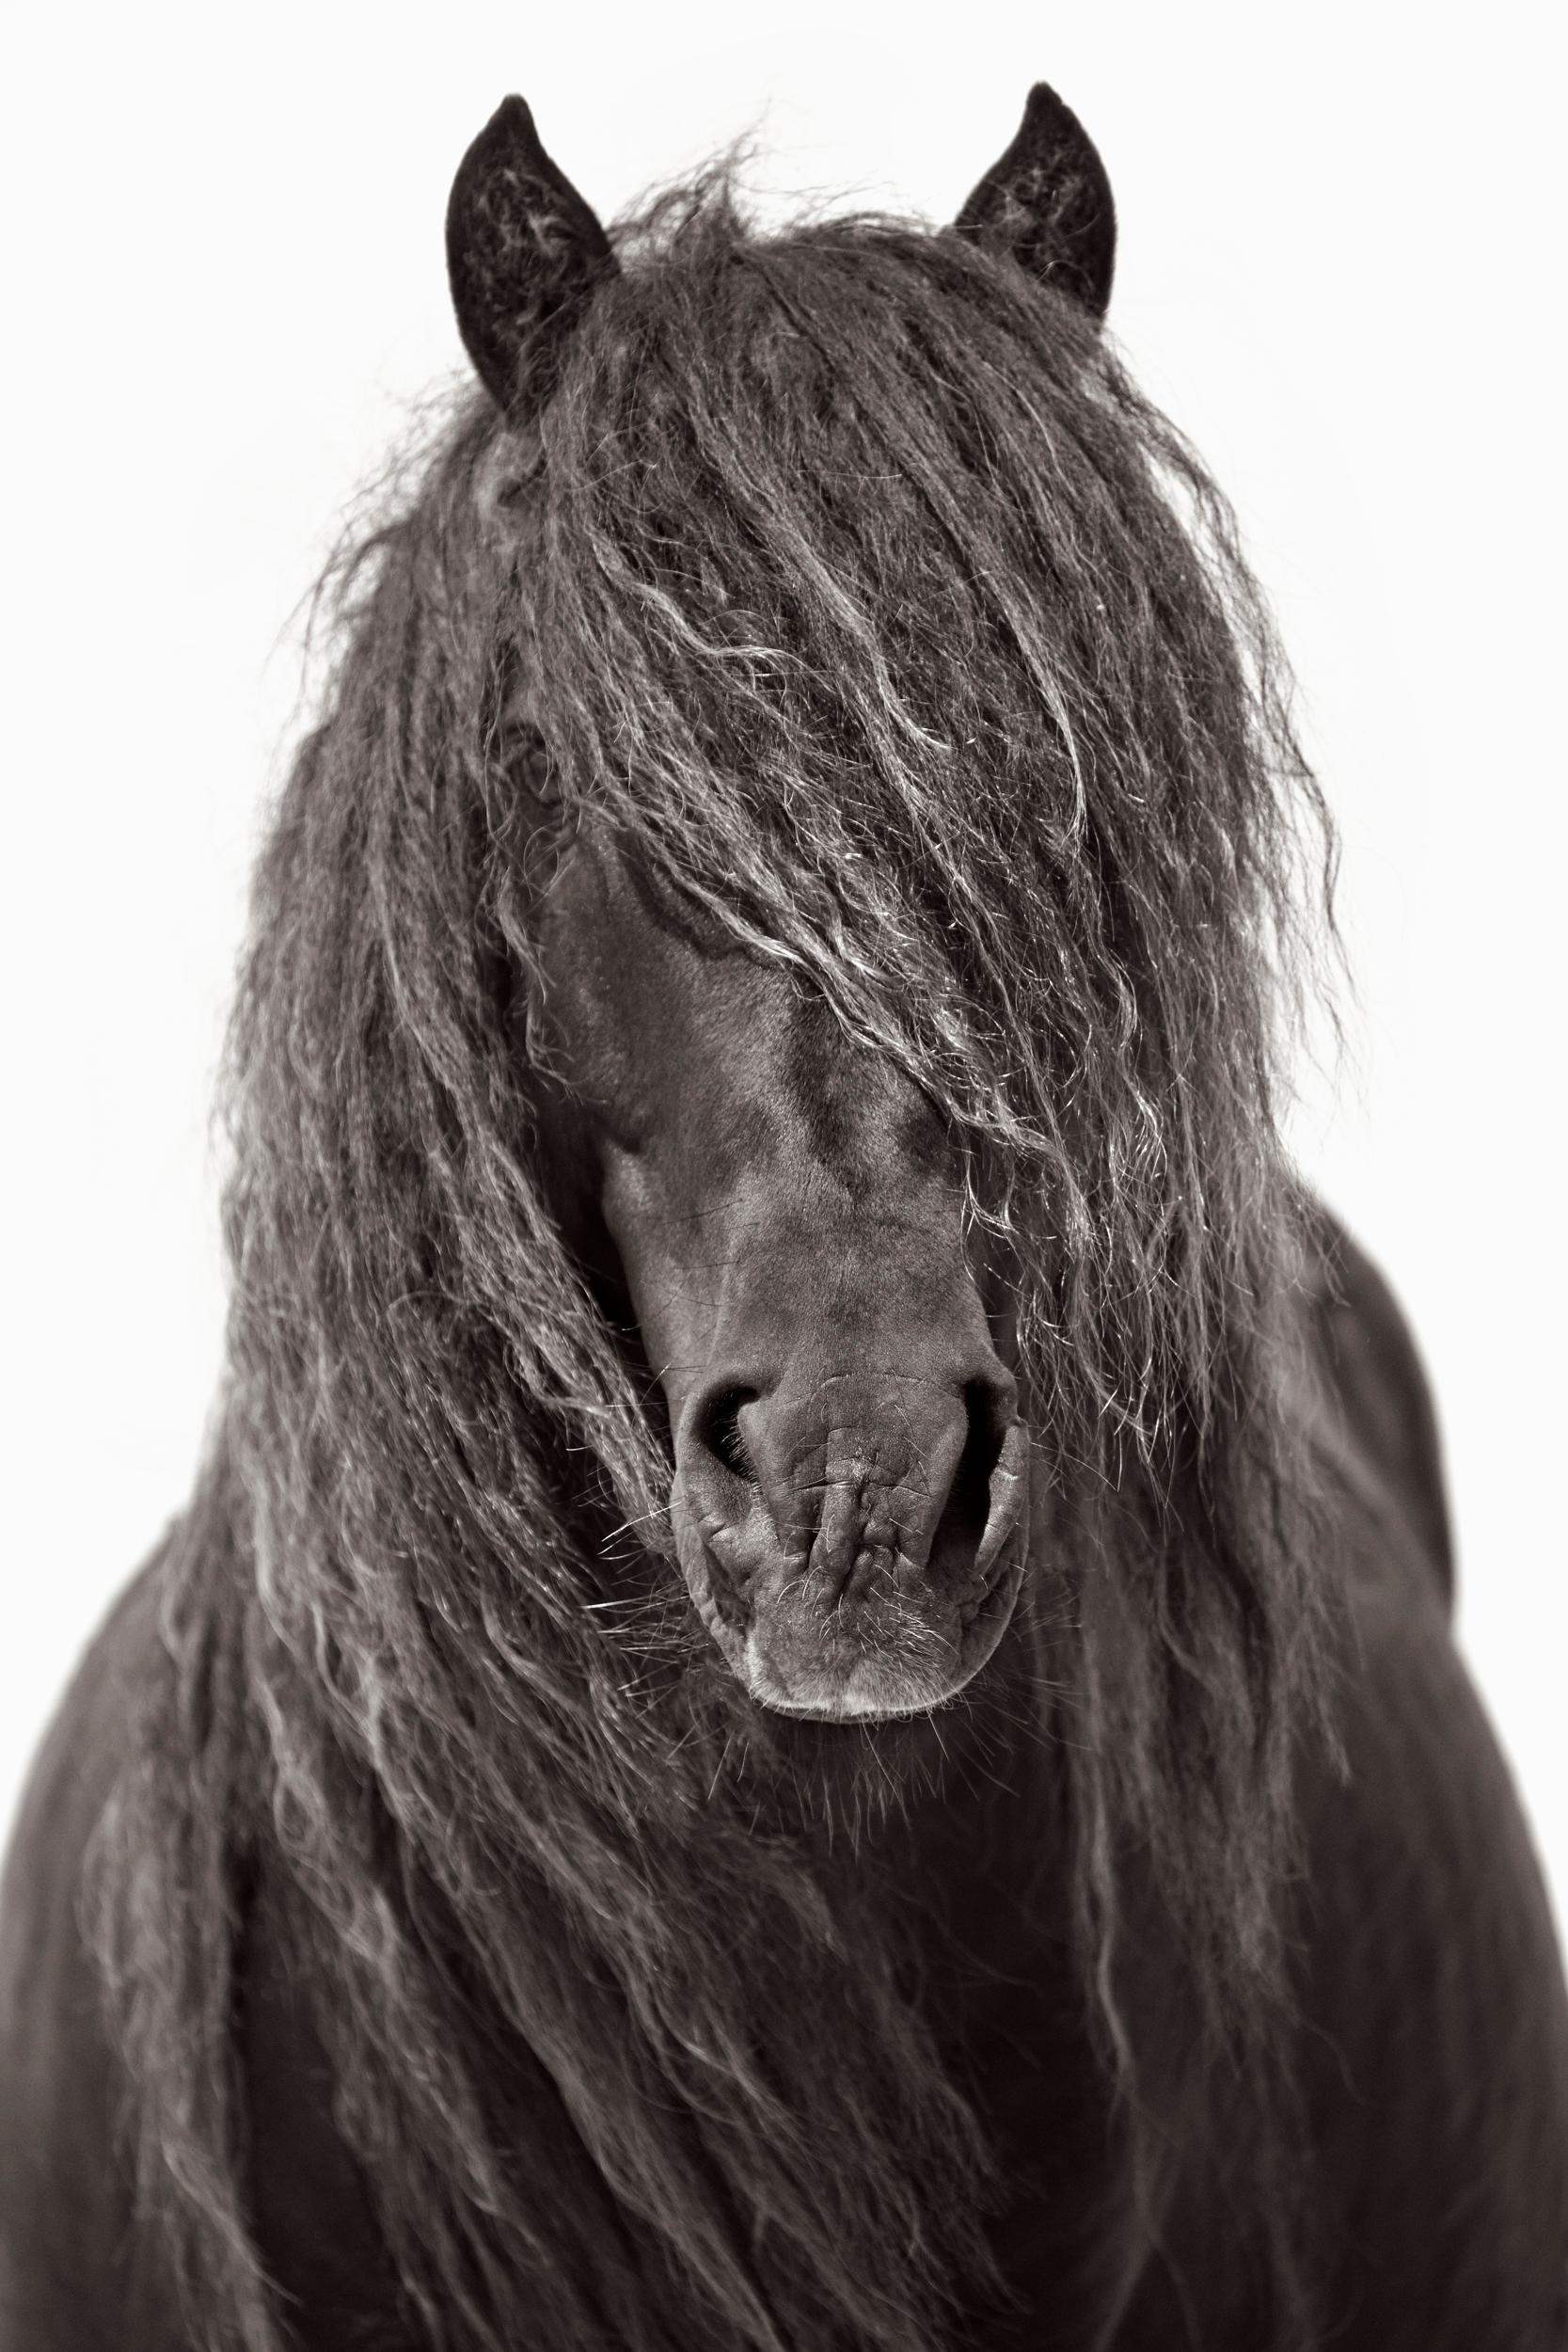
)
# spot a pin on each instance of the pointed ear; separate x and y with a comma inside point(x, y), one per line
point(1047, 201)
point(524, 255)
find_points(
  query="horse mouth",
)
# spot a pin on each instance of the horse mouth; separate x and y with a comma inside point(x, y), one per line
point(906, 1647)
point(882, 1689)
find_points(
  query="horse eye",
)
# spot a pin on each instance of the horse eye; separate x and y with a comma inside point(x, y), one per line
point(522, 755)
point(535, 772)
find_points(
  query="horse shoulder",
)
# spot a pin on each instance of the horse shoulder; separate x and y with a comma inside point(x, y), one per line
point(1436, 2056)
point(1433, 2051)
point(1431, 2042)
point(77, 2270)
point(75, 2274)
point(1436, 2050)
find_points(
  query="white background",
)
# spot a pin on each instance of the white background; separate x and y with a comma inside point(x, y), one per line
point(1340, 268)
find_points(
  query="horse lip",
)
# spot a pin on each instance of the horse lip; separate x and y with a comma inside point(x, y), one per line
point(979, 1634)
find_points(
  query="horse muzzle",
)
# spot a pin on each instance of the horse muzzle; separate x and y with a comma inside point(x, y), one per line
point(854, 1542)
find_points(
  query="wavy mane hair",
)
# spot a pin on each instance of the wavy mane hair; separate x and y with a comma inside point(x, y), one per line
point(848, 579)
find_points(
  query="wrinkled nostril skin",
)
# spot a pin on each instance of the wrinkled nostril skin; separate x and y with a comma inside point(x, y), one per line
point(860, 1474)
point(853, 1538)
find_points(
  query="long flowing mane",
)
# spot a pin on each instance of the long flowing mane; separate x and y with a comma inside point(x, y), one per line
point(849, 577)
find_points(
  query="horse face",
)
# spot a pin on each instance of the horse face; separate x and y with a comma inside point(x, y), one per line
point(851, 1476)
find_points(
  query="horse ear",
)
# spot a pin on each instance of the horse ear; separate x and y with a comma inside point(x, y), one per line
point(1047, 201)
point(524, 255)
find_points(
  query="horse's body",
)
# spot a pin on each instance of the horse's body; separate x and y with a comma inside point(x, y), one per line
point(1433, 2030)
point(840, 1869)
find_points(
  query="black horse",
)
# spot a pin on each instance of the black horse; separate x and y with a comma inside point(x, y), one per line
point(807, 1698)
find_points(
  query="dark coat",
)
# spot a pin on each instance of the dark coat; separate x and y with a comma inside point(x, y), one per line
point(1433, 2047)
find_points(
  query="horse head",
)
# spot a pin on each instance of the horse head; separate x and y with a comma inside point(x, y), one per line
point(782, 1209)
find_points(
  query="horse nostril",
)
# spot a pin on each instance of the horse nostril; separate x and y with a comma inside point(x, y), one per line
point(989, 1409)
point(888, 1467)
point(968, 1498)
point(716, 1424)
